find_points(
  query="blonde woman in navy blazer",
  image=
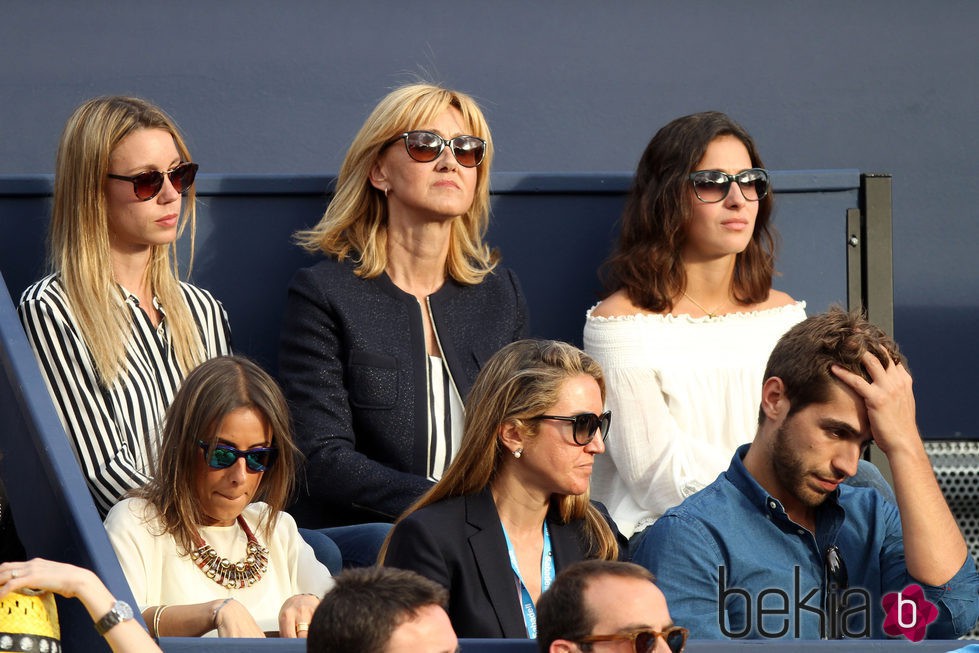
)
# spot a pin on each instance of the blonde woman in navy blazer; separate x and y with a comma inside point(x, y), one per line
point(512, 510)
point(382, 338)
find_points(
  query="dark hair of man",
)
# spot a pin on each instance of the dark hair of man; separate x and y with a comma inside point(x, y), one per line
point(647, 263)
point(561, 610)
point(804, 356)
point(367, 604)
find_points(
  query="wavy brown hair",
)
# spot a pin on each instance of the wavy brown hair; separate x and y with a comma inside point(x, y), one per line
point(519, 382)
point(209, 393)
point(803, 358)
point(647, 262)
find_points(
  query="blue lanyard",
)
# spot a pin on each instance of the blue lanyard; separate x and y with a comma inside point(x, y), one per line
point(546, 576)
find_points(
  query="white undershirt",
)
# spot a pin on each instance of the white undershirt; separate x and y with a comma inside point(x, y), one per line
point(445, 418)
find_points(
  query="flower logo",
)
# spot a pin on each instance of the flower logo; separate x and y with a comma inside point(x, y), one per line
point(908, 613)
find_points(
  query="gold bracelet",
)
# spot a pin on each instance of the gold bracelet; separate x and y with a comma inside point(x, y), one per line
point(156, 619)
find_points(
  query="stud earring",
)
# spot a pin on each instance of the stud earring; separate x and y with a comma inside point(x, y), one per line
point(518, 453)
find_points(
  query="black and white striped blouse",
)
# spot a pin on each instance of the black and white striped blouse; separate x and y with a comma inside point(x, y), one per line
point(445, 418)
point(115, 430)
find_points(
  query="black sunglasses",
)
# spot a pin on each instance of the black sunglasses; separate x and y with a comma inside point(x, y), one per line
point(835, 580)
point(148, 184)
point(585, 425)
point(222, 456)
point(713, 185)
point(644, 641)
point(426, 146)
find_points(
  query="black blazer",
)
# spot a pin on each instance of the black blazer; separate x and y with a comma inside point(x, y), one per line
point(352, 363)
point(459, 544)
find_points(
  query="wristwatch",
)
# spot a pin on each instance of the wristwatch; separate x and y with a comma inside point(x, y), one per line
point(120, 612)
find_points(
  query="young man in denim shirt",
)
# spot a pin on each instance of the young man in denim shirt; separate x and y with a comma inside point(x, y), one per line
point(777, 547)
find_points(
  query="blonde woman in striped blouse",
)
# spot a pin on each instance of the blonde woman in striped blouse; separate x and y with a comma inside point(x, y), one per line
point(113, 328)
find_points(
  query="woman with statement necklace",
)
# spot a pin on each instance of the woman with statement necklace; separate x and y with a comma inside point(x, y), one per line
point(512, 510)
point(690, 320)
point(205, 545)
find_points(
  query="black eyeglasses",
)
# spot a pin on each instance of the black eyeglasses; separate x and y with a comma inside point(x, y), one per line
point(835, 580)
point(585, 425)
point(426, 146)
point(644, 641)
point(223, 456)
point(713, 185)
point(148, 184)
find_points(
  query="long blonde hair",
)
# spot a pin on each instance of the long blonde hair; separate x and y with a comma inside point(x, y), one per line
point(519, 382)
point(78, 239)
point(355, 222)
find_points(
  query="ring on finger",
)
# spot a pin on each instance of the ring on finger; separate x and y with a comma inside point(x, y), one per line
point(301, 627)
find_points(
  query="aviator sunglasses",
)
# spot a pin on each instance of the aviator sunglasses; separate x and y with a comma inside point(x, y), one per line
point(644, 641)
point(713, 185)
point(148, 184)
point(585, 425)
point(425, 147)
point(258, 459)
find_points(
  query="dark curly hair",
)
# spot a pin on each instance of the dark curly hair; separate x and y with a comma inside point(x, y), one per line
point(804, 356)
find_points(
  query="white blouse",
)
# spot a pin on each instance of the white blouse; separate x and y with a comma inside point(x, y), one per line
point(684, 393)
point(158, 575)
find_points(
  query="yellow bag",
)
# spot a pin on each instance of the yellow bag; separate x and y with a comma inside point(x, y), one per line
point(29, 623)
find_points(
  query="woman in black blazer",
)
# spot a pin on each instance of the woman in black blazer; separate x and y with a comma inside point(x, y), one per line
point(512, 510)
point(383, 337)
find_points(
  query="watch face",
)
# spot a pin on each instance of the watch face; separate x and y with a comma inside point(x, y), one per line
point(120, 612)
point(125, 612)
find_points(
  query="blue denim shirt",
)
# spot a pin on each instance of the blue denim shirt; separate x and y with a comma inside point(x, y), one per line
point(731, 549)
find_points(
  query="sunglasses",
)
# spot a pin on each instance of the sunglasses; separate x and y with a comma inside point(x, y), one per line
point(713, 185)
point(644, 641)
point(835, 580)
point(426, 146)
point(585, 425)
point(223, 456)
point(148, 184)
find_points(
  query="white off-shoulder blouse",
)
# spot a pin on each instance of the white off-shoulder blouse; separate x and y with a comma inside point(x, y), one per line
point(684, 393)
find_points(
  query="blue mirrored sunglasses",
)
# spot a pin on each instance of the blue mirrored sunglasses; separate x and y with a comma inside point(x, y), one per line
point(222, 456)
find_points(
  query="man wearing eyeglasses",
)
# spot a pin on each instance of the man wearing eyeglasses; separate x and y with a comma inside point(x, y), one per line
point(777, 547)
point(603, 605)
point(382, 610)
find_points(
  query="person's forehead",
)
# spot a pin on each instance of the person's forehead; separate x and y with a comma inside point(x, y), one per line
point(430, 631)
point(843, 405)
point(617, 602)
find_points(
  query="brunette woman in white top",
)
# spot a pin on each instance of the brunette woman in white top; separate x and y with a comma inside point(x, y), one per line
point(113, 329)
point(684, 336)
point(205, 545)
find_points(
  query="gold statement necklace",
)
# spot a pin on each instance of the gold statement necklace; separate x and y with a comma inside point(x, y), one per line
point(222, 571)
point(712, 313)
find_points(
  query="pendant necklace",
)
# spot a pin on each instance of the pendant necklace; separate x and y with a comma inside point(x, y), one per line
point(226, 573)
point(710, 314)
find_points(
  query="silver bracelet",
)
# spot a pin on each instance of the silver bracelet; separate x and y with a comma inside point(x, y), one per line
point(214, 615)
point(156, 619)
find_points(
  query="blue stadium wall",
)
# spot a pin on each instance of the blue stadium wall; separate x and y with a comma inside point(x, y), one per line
point(568, 87)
